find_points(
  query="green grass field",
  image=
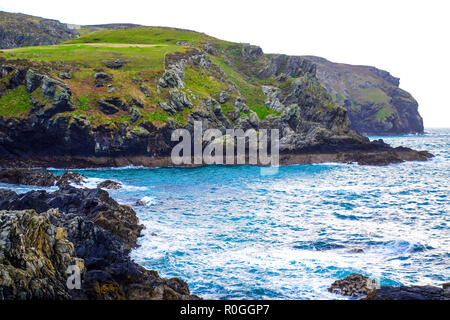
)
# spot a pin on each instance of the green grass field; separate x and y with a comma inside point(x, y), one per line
point(143, 49)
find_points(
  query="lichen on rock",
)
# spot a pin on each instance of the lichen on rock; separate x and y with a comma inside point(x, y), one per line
point(34, 256)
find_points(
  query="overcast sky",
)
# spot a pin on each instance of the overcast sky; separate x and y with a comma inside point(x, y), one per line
point(410, 38)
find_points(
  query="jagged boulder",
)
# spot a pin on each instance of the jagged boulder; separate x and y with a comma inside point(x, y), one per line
point(69, 178)
point(109, 184)
point(354, 285)
point(101, 79)
point(33, 80)
point(273, 100)
point(179, 100)
point(224, 96)
point(210, 48)
point(56, 93)
point(251, 52)
point(171, 79)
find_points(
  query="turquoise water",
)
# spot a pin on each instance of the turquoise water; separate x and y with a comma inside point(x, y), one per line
point(234, 234)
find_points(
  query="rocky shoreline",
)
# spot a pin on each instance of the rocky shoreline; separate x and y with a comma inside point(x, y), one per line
point(52, 135)
point(42, 234)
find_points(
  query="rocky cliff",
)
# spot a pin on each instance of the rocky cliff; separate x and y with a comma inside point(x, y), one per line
point(113, 97)
point(372, 97)
point(374, 102)
point(20, 30)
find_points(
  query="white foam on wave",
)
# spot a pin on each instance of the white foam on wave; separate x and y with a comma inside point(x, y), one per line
point(90, 183)
point(148, 201)
point(133, 188)
point(106, 168)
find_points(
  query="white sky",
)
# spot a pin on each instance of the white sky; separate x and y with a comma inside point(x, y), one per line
point(410, 39)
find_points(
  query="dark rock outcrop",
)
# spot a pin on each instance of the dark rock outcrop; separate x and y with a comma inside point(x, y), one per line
point(101, 79)
point(358, 285)
point(102, 232)
point(354, 285)
point(109, 184)
point(95, 204)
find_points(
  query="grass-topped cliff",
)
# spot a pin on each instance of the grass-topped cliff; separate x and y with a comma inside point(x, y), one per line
point(120, 92)
point(142, 52)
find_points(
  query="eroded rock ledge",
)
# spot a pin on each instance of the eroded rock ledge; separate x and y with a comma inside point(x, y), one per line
point(42, 233)
point(357, 285)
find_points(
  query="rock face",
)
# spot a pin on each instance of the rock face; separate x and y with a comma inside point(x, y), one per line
point(102, 233)
point(34, 257)
point(356, 285)
point(20, 30)
point(372, 97)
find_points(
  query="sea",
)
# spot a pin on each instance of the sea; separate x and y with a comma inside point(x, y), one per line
point(233, 233)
